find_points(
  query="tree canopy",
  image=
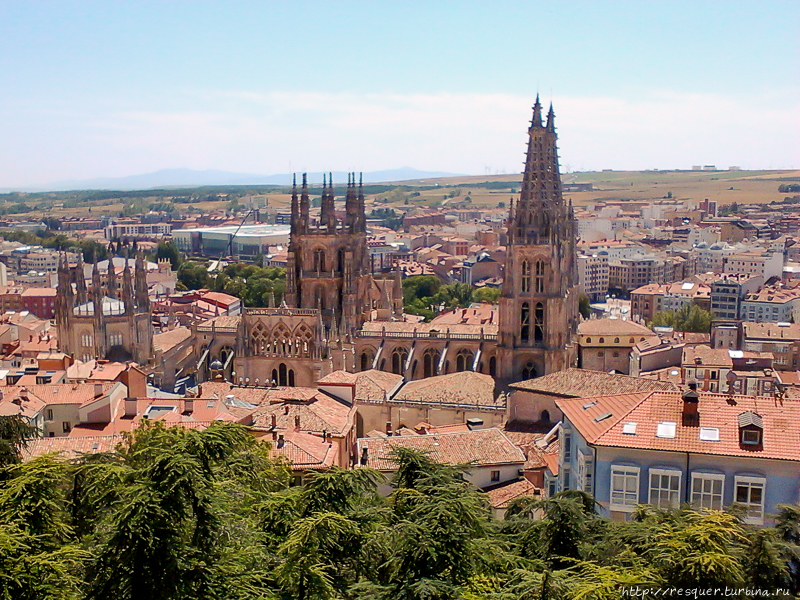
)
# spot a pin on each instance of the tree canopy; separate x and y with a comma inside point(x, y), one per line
point(180, 513)
point(689, 318)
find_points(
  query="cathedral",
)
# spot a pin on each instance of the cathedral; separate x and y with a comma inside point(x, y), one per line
point(337, 316)
point(121, 329)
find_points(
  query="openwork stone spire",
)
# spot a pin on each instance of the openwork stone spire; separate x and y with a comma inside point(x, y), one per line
point(541, 204)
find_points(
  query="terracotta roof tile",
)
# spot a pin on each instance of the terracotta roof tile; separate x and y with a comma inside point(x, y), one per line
point(502, 495)
point(306, 451)
point(166, 341)
point(781, 436)
point(582, 383)
point(481, 447)
point(611, 327)
point(71, 447)
point(466, 387)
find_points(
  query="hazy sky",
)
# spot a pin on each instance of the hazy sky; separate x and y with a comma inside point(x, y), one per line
point(106, 89)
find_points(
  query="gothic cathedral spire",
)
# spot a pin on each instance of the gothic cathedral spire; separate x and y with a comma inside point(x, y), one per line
point(539, 299)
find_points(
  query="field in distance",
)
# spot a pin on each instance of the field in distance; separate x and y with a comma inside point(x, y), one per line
point(480, 191)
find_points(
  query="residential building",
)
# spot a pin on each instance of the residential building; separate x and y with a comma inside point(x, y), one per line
point(780, 339)
point(666, 449)
point(606, 344)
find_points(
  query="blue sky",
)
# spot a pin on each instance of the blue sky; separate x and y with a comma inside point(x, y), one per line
point(105, 89)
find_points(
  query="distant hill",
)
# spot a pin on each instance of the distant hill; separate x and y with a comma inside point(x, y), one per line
point(191, 178)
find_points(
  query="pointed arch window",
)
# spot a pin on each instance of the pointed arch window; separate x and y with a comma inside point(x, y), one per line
point(526, 276)
point(525, 323)
point(341, 260)
point(399, 358)
point(430, 362)
point(538, 323)
point(493, 366)
point(464, 360)
point(539, 277)
point(319, 260)
point(528, 371)
point(366, 361)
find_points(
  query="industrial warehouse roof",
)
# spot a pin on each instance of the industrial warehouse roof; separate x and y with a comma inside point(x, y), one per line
point(243, 231)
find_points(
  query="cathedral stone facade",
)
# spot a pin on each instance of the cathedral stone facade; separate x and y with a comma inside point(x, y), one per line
point(111, 321)
point(336, 316)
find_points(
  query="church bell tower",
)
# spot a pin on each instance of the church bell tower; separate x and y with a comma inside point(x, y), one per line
point(539, 298)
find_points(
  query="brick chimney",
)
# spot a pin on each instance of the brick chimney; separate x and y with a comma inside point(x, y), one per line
point(281, 441)
point(691, 399)
point(388, 428)
point(297, 421)
point(273, 421)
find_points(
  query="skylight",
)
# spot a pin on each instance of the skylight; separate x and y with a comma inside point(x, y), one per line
point(602, 417)
point(589, 405)
point(629, 428)
point(666, 429)
point(709, 434)
point(687, 285)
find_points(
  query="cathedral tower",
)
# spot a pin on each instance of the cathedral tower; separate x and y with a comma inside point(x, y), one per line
point(539, 298)
point(328, 263)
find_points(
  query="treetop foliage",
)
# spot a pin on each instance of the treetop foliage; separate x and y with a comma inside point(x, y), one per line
point(178, 513)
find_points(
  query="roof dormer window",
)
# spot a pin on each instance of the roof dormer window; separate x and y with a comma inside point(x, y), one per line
point(751, 428)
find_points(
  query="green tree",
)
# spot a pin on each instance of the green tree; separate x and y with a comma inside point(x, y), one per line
point(168, 250)
point(690, 318)
point(15, 433)
point(584, 306)
point(486, 295)
point(193, 275)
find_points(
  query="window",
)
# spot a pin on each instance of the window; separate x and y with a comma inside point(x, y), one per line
point(624, 488)
point(749, 492)
point(751, 437)
point(665, 488)
point(566, 444)
point(538, 331)
point(86, 340)
point(430, 362)
point(66, 427)
point(495, 476)
point(526, 276)
point(399, 358)
point(539, 276)
point(586, 472)
point(707, 490)
point(49, 415)
point(525, 322)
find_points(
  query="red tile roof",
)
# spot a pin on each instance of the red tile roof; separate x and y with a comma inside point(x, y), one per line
point(580, 383)
point(781, 437)
point(71, 447)
point(502, 495)
point(466, 387)
point(305, 451)
point(482, 447)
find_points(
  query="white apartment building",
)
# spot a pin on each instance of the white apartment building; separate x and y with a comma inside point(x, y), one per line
point(593, 275)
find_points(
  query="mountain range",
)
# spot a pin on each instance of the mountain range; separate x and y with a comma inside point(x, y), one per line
point(191, 178)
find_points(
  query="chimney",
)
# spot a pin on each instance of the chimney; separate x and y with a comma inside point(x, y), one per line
point(281, 441)
point(130, 407)
point(273, 421)
point(297, 421)
point(388, 428)
point(691, 399)
point(286, 409)
point(188, 406)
